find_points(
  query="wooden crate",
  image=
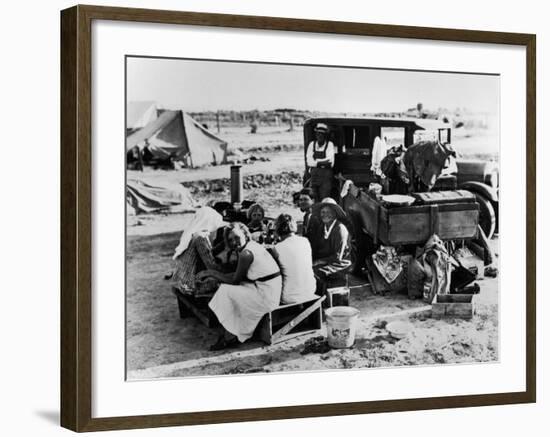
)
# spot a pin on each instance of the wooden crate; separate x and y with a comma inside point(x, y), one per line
point(291, 320)
point(338, 296)
point(453, 305)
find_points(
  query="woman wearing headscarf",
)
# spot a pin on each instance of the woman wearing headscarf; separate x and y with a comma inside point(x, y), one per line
point(245, 295)
point(199, 244)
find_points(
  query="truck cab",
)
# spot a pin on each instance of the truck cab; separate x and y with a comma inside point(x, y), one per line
point(354, 139)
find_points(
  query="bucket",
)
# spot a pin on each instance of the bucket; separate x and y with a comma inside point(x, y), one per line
point(341, 326)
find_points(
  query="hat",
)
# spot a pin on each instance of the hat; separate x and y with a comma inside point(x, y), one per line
point(330, 202)
point(321, 127)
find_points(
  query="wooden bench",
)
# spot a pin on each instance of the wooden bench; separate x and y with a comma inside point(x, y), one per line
point(284, 322)
point(189, 305)
point(288, 321)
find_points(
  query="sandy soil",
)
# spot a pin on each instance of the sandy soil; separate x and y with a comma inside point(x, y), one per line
point(160, 344)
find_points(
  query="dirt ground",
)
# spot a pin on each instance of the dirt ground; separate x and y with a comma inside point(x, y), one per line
point(161, 345)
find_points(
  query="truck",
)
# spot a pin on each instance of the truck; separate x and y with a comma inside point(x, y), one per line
point(353, 139)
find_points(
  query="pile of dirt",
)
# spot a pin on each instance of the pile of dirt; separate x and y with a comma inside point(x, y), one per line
point(260, 180)
point(237, 156)
point(275, 148)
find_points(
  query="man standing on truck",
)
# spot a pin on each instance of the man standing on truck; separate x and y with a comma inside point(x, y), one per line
point(320, 160)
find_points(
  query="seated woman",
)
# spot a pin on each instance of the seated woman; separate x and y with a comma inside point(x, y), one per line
point(333, 255)
point(255, 216)
point(293, 254)
point(244, 296)
point(198, 247)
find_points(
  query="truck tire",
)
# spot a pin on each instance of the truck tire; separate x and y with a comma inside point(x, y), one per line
point(487, 216)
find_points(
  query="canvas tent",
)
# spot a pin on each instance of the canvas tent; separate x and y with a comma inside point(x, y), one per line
point(175, 135)
point(139, 115)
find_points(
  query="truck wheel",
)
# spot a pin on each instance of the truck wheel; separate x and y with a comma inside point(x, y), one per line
point(487, 216)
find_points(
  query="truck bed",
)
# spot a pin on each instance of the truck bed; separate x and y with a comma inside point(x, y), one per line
point(413, 224)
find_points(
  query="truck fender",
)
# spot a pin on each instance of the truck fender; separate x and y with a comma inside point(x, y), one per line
point(480, 188)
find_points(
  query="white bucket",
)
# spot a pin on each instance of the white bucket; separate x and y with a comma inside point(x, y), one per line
point(341, 326)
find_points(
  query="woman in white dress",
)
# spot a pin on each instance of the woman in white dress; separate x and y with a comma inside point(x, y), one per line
point(246, 295)
point(293, 254)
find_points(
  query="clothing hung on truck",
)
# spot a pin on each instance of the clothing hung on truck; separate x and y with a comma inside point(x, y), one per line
point(393, 168)
point(379, 151)
point(429, 273)
point(425, 161)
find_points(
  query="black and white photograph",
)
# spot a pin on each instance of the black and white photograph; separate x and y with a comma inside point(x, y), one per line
point(275, 218)
point(307, 218)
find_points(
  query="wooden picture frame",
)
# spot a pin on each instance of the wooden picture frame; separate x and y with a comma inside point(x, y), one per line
point(76, 217)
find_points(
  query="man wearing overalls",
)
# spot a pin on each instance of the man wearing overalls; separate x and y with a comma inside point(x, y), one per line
point(320, 160)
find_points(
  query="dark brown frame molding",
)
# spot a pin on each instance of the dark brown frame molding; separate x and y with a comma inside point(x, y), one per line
point(76, 217)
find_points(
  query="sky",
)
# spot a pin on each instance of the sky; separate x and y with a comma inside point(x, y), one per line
point(198, 85)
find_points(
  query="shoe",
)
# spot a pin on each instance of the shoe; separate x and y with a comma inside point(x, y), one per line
point(222, 343)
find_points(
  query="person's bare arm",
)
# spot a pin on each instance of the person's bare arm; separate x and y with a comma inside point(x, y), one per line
point(330, 154)
point(245, 259)
point(273, 252)
point(310, 160)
